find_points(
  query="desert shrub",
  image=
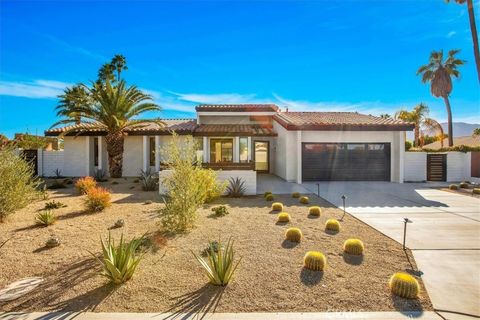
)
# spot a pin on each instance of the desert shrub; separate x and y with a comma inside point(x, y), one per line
point(464, 185)
point(314, 211)
point(404, 285)
point(45, 218)
point(84, 184)
point(220, 211)
point(476, 191)
point(283, 217)
point(136, 180)
point(18, 187)
point(332, 225)
point(314, 260)
point(149, 180)
point(269, 197)
point(220, 265)
point(98, 199)
point(408, 145)
point(293, 234)
point(453, 187)
point(119, 262)
point(100, 175)
point(44, 192)
point(188, 185)
point(236, 187)
point(353, 246)
point(304, 200)
point(54, 205)
point(277, 206)
point(265, 194)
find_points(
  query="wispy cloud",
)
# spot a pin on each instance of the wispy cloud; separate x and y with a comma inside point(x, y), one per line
point(220, 98)
point(73, 48)
point(451, 34)
point(38, 89)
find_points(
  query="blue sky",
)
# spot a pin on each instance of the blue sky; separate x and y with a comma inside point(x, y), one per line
point(327, 56)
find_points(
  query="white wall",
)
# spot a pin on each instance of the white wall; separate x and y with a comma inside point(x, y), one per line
point(285, 156)
point(49, 162)
point(76, 151)
point(415, 166)
point(458, 166)
point(132, 156)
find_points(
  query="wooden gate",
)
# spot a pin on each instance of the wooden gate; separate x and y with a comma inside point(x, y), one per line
point(436, 167)
point(31, 157)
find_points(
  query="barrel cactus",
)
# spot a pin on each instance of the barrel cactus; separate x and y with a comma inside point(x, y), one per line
point(293, 234)
point(404, 285)
point(353, 246)
point(277, 206)
point(453, 187)
point(52, 242)
point(283, 217)
point(266, 194)
point(476, 191)
point(464, 184)
point(304, 200)
point(314, 211)
point(296, 195)
point(332, 225)
point(315, 260)
point(269, 197)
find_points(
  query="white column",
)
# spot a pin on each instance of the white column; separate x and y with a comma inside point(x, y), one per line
point(145, 153)
point(100, 153)
point(249, 143)
point(157, 153)
point(299, 156)
point(206, 152)
point(401, 150)
point(236, 149)
point(87, 155)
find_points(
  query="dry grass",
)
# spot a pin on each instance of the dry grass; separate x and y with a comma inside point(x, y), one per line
point(270, 277)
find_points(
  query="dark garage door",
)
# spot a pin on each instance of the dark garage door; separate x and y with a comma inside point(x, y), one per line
point(346, 161)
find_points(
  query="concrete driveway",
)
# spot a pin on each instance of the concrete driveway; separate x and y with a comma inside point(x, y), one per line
point(444, 235)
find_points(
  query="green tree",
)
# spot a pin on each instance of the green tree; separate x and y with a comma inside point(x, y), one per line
point(119, 63)
point(476, 132)
point(473, 30)
point(385, 116)
point(75, 96)
point(439, 74)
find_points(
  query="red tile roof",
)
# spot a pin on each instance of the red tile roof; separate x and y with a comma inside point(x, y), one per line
point(234, 130)
point(237, 108)
point(338, 121)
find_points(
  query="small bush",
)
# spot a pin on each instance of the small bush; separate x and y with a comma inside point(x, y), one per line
point(332, 225)
point(18, 187)
point(314, 260)
point(476, 191)
point(293, 234)
point(211, 187)
point(236, 187)
point(296, 195)
point(314, 211)
point(100, 175)
point(277, 206)
point(136, 180)
point(45, 218)
point(408, 145)
point(304, 200)
point(220, 211)
point(149, 180)
point(283, 217)
point(269, 197)
point(220, 265)
point(84, 184)
point(453, 187)
point(353, 246)
point(464, 185)
point(98, 199)
point(404, 285)
point(266, 194)
point(54, 205)
point(119, 262)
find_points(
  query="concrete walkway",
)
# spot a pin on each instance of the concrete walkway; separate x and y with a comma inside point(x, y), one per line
point(444, 235)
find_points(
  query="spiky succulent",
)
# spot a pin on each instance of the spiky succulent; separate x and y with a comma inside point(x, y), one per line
point(304, 200)
point(293, 234)
point(283, 217)
point(236, 187)
point(332, 225)
point(315, 260)
point(277, 206)
point(45, 218)
point(54, 205)
point(353, 246)
point(404, 285)
point(314, 211)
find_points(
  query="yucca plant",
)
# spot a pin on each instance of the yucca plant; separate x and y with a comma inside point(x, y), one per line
point(236, 187)
point(45, 218)
point(119, 262)
point(220, 266)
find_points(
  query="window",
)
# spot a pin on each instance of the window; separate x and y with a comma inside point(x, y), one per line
point(221, 150)
point(152, 151)
point(243, 149)
point(95, 151)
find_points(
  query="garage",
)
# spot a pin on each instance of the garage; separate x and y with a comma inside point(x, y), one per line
point(346, 161)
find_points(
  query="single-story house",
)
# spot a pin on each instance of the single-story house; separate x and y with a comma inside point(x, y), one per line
point(296, 146)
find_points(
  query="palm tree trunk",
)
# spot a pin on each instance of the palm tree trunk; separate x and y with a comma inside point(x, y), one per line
point(416, 136)
point(473, 29)
point(114, 142)
point(450, 124)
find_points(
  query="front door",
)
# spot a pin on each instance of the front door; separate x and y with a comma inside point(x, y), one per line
point(261, 156)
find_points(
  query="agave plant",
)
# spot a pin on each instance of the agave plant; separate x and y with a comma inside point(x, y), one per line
point(45, 218)
point(236, 187)
point(100, 175)
point(149, 180)
point(220, 265)
point(119, 262)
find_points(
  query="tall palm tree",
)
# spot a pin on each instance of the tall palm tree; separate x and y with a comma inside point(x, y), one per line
point(119, 63)
point(74, 96)
point(112, 109)
point(473, 30)
point(439, 74)
point(106, 73)
point(419, 117)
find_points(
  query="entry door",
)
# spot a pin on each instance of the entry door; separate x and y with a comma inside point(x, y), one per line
point(261, 156)
point(436, 167)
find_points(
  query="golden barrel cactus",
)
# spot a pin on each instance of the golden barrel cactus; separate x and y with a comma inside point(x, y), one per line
point(353, 246)
point(266, 194)
point(283, 217)
point(293, 234)
point(269, 197)
point(404, 285)
point(453, 187)
point(314, 260)
point(304, 200)
point(332, 225)
point(314, 211)
point(476, 191)
point(296, 195)
point(277, 206)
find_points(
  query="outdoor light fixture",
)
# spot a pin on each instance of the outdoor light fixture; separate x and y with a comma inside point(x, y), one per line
point(405, 221)
point(343, 198)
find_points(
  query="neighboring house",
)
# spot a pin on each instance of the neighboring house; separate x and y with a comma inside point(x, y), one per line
point(470, 141)
point(296, 146)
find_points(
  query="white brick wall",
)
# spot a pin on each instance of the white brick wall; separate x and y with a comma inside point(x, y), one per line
point(458, 166)
point(415, 166)
point(49, 161)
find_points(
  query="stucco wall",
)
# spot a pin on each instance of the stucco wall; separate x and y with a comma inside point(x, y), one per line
point(415, 166)
point(49, 161)
point(76, 155)
point(132, 156)
point(458, 166)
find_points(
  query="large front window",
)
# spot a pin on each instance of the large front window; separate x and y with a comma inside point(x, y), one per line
point(243, 149)
point(221, 150)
